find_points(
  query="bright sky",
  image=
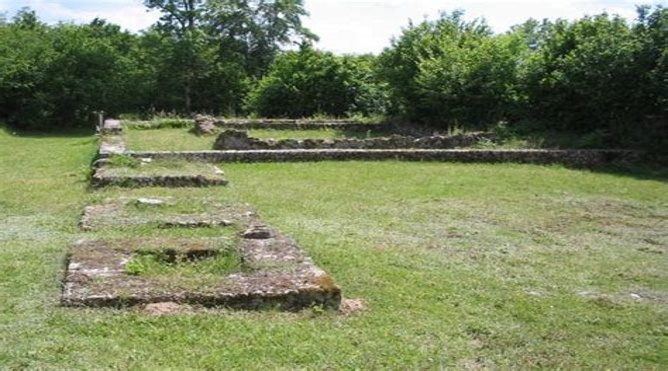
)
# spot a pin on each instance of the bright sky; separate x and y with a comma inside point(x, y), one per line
point(347, 26)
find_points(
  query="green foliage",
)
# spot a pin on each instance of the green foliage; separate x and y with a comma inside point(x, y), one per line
point(472, 83)
point(596, 75)
point(124, 161)
point(213, 49)
point(599, 75)
point(137, 266)
point(201, 56)
point(451, 72)
point(55, 77)
point(370, 94)
point(583, 74)
point(309, 82)
point(251, 32)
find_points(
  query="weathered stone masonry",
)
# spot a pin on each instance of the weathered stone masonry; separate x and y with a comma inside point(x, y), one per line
point(573, 158)
point(239, 140)
point(277, 273)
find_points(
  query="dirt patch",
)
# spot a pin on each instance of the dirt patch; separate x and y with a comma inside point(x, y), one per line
point(352, 307)
point(622, 299)
point(165, 309)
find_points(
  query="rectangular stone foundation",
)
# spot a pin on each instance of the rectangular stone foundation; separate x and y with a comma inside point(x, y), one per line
point(106, 176)
point(276, 275)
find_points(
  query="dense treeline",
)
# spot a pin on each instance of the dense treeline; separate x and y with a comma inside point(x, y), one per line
point(201, 56)
point(598, 74)
point(595, 74)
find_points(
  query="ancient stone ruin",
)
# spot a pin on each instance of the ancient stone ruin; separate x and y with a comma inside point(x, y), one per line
point(264, 268)
point(148, 173)
point(267, 269)
point(239, 140)
point(205, 125)
point(274, 272)
point(418, 147)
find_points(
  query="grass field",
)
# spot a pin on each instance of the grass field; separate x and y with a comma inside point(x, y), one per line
point(127, 166)
point(461, 266)
point(178, 139)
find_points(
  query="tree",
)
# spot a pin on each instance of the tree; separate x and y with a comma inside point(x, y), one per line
point(370, 94)
point(584, 77)
point(651, 34)
point(225, 41)
point(55, 76)
point(451, 72)
point(255, 30)
point(309, 82)
point(302, 84)
point(27, 19)
point(25, 54)
point(181, 21)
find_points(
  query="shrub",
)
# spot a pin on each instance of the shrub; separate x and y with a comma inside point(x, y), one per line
point(309, 82)
point(452, 73)
point(600, 75)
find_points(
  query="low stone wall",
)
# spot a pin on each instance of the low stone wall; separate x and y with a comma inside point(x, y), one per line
point(103, 180)
point(206, 125)
point(114, 144)
point(107, 175)
point(572, 158)
point(280, 124)
point(239, 140)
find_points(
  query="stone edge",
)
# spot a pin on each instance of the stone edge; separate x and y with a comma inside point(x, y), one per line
point(573, 158)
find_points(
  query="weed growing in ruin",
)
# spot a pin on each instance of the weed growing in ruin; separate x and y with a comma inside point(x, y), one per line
point(180, 264)
point(124, 161)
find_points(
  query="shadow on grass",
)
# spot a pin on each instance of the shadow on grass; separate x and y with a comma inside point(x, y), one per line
point(45, 133)
point(654, 172)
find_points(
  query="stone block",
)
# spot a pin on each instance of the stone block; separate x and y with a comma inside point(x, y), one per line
point(148, 174)
point(112, 127)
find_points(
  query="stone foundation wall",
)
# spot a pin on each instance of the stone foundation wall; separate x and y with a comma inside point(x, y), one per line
point(571, 158)
point(114, 144)
point(102, 180)
point(287, 124)
point(204, 126)
point(239, 140)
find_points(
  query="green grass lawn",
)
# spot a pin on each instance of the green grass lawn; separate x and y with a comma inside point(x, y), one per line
point(178, 139)
point(460, 266)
